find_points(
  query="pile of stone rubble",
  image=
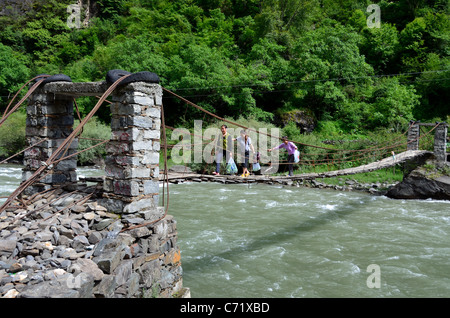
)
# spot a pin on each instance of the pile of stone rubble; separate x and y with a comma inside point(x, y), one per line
point(57, 245)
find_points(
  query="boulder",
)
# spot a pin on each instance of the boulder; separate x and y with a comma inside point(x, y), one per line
point(421, 188)
point(303, 118)
point(429, 181)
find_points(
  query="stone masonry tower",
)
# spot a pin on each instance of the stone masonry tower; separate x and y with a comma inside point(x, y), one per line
point(132, 163)
point(130, 189)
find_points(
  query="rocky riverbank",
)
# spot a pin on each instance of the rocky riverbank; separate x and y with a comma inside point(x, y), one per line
point(430, 180)
point(61, 244)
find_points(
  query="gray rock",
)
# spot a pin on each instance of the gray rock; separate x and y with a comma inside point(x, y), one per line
point(15, 267)
point(133, 285)
point(44, 236)
point(7, 246)
point(103, 224)
point(123, 272)
point(80, 242)
point(105, 289)
point(142, 231)
point(95, 237)
point(424, 183)
point(48, 290)
point(110, 259)
point(4, 265)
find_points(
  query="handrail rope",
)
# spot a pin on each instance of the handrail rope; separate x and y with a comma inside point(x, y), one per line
point(374, 148)
point(51, 168)
point(18, 153)
point(78, 112)
point(74, 133)
point(20, 89)
point(242, 126)
point(30, 91)
point(81, 151)
point(79, 134)
point(361, 151)
point(333, 159)
point(391, 146)
point(428, 141)
point(54, 200)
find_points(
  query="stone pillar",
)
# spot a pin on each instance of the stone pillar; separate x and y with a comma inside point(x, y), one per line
point(413, 137)
point(132, 162)
point(440, 142)
point(49, 116)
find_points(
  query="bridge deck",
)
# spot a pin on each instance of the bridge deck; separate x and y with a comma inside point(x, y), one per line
point(381, 164)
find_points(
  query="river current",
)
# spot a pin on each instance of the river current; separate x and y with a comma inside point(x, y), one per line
point(249, 240)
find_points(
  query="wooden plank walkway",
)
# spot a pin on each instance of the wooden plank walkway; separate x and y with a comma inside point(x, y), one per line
point(381, 164)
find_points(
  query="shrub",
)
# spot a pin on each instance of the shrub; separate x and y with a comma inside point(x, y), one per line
point(93, 129)
point(12, 134)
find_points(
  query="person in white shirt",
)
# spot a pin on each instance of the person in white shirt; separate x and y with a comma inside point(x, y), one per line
point(244, 147)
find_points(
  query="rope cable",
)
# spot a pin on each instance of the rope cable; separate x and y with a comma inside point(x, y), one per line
point(63, 145)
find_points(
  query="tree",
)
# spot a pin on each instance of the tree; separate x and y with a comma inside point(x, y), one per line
point(381, 47)
point(392, 104)
point(13, 75)
point(284, 20)
point(434, 88)
point(327, 60)
point(412, 42)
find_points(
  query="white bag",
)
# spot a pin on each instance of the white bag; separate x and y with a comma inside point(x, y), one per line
point(296, 156)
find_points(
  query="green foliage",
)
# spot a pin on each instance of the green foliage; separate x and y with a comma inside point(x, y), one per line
point(12, 134)
point(328, 60)
point(248, 58)
point(111, 8)
point(330, 129)
point(93, 129)
point(393, 104)
point(381, 47)
point(14, 73)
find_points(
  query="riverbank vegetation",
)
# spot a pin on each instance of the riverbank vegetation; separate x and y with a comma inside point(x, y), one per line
point(316, 69)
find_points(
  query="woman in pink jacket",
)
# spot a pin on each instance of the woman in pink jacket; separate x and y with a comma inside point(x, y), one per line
point(291, 148)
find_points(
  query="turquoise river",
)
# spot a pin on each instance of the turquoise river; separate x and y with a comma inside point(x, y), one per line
point(267, 241)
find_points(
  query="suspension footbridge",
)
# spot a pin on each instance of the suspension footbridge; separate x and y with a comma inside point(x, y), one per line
point(139, 138)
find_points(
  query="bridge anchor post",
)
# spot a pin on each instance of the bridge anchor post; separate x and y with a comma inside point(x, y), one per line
point(440, 142)
point(49, 122)
point(132, 162)
point(413, 136)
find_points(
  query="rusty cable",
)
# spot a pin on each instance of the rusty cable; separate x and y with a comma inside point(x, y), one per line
point(20, 102)
point(58, 151)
